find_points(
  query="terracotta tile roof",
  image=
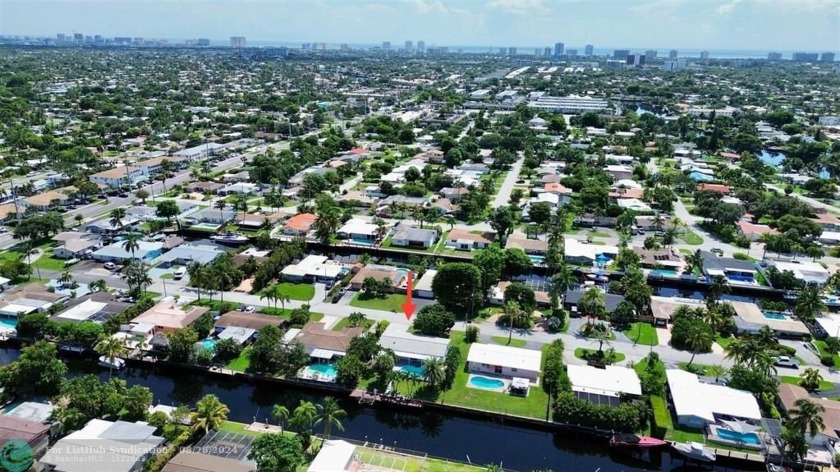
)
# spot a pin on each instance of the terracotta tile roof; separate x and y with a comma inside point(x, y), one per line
point(788, 394)
point(313, 335)
point(714, 188)
point(826, 218)
point(301, 222)
point(750, 228)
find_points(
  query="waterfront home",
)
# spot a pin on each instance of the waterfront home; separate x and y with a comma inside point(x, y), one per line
point(572, 299)
point(396, 277)
point(209, 460)
point(753, 231)
point(210, 215)
point(581, 252)
point(115, 252)
point(696, 403)
point(166, 316)
point(96, 307)
point(120, 447)
point(185, 254)
point(34, 433)
point(412, 349)
point(663, 308)
point(299, 225)
point(313, 268)
point(29, 298)
point(423, 286)
point(734, 270)
point(148, 212)
point(324, 345)
point(104, 226)
point(532, 247)
point(462, 240)
point(603, 385)
point(497, 294)
point(504, 361)
point(821, 445)
point(660, 259)
point(359, 231)
point(240, 319)
point(335, 455)
point(809, 272)
point(749, 319)
point(413, 237)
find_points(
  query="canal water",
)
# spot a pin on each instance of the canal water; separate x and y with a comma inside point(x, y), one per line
point(439, 435)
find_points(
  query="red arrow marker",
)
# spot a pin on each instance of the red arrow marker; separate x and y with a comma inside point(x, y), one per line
point(408, 307)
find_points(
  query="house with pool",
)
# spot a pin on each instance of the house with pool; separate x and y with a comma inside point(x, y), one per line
point(396, 276)
point(324, 347)
point(735, 271)
point(358, 231)
point(697, 404)
point(603, 385)
point(498, 368)
point(824, 445)
point(412, 349)
point(750, 318)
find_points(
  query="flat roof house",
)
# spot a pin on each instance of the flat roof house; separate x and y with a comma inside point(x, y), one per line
point(603, 386)
point(697, 404)
point(413, 237)
point(115, 252)
point(504, 361)
point(734, 270)
point(812, 273)
point(423, 286)
point(167, 316)
point(240, 319)
point(462, 240)
point(185, 254)
point(411, 348)
point(358, 231)
point(313, 268)
point(35, 434)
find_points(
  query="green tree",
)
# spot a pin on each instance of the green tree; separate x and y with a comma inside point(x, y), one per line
point(142, 194)
point(37, 370)
point(592, 304)
point(304, 416)
point(809, 304)
point(276, 453)
point(167, 209)
point(457, 285)
point(209, 414)
point(280, 413)
point(491, 263)
point(502, 220)
point(117, 219)
point(700, 339)
point(806, 417)
point(330, 414)
point(111, 348)
point(810, 379)
point(131, 243)
point(434, 320)
point(434, 372)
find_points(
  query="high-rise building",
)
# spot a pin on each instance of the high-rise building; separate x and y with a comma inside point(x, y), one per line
point(674, 64)
point(558, 49)
point(537, 52)
point(344, 47)
point(827, 57)
point(60, 37)
point(237, 42)
point(386, 45)
point(421, 46)
point(651, 54)
point(635, 60)
point(805, 56)
point(202, 42)
point(673, 54)
point(512, 51)
point(98, 39)
point(587, 50)
point(547, 52)
point(774, 56)
point(409, 46)
point(704, 54)
point(78, 37)
point(572, 52)
point(621, 54)
point(503, 51)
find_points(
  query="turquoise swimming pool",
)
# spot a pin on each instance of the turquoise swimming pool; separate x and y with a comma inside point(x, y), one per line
point(206, 226)
point(208, 343)
point(327, 370)
point(536, 259)
point(414, 370)
point(486, 383)
point(664, 273)
point(8, 324)
point(774, 316)
point(746, 438)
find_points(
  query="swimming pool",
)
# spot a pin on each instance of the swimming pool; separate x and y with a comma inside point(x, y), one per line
point(403, 272)
point(664, 273)
point(414, 370)
point(537, 259)
point(745, 438)
point(327, 370)
point(486, 383)
point(206, 226)
point(208, 343)
point(774, 316)
point(8, 324)
point(366, 242)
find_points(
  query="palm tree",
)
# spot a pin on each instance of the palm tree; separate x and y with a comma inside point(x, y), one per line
point(111, 348)
point(220, 204)
point(98, 285)
point(223, 279)
point(810, 379)
point(304, 416)
point(330, 414)
point(269, 294)
point(434, 371)
point(699, 339)
point(563, 281)
point(514, 315)
point(65, 279)
point(117, 220)
point(770, 241)
point(717, 371)
point(131, 243)
point(280, 413)
point(326, 223)
point(809, 304)
point(806, 417)
point(356, 318)
point(744, 351)
point(693, 261)
point(198, 275)
point(717, 287)
point(209, 414)
point(281, 296)
point(592, 304)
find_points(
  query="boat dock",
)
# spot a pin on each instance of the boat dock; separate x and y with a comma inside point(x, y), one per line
point(366, 398)
point(723, 455)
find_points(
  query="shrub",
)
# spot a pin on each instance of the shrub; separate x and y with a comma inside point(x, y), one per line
point(381, 326)
point(554, 324)
point(741, 256)
point(626, 417)
point(471, 334)
point(661, 418)
point(434, 320)
point(827, 360)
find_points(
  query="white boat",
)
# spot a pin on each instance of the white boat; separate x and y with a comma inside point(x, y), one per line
point(696, 451)
point(229, 238)
point(116, 363)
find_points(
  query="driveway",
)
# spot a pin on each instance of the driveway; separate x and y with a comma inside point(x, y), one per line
point(512, 176)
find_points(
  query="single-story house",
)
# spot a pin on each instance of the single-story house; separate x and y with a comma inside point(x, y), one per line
point(462, 240)
point(504, 361)
point(204, 187)
point(827, 221)
point(47, 200)
point(380, 273)
point(663, 308)
point(572, 299)
point(240, 319)
point(29, 298)
point(36, 434)
point(104, 226)
point(313, 268)
point(734, 270)
point(423, 286)
point(115, 252)
point(581, 252)
point(167, 316)
point(77, 247)
point(324, 344)
point(823, 442)
point(696, 404)
point(659, 259)
point(124, 447)
point(650, 223)
point(497, 294)
point(603, 385)
point(358, 231)
point(410, 348)
point(754, 231)
point(535, 247)
point(185, 254)
point(203, 460)
point(335, 455)
point(239, 188)
point(715, 188)
point(619, 171)
point(413, 237)
point(454, 194)
point(812, 273)
point(210, 215)
point(749, 318)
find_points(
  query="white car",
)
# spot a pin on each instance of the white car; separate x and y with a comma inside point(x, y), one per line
point(110, 266)
point(179, 273)
point(785, 361)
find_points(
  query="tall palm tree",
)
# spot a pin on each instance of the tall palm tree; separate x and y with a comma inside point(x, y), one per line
point(223, 279)
point(806, 417)
point(209, 414)
point(98, 285)
point(117, 220)
point(198, 274)
point(809, 304)
point(515, 315)
point(270, 294)
point(111, 348)
point(434, 371)
point(326, 223)
point(592, 304)
point(304, 416)
point(693, 261)
point(699, 339)
point(280, 413)
point(131, 243)
point(220, 205)
point(810, 379)
point(717, 287)
point(563, 281)
point(330, 415)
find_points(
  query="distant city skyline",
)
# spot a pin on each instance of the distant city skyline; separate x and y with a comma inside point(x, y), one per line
point(793, 25)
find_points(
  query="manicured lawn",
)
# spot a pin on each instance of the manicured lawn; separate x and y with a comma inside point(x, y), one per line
point(690, 237)
point(503, 340)
point(724, 341)
point(345, 323)
point(240, 364)
point(394, 461)
point(581, 352)
point(824, 385)
point(694, 367)
point(287, 313)
point(533, 406)
point(821, 347)
point(239, 428)
point(642, 333)
point(302, 292)
point(392, 302)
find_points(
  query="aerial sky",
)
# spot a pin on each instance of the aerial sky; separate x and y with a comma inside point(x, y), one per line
point(763, 25)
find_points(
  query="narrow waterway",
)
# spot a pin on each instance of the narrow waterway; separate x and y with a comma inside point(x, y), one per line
point(440, 435)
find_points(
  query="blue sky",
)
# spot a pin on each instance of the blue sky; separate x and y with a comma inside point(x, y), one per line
point(697, 24)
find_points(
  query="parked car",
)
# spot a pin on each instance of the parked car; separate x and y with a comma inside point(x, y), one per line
point(250, 309)
point(179, 273)
point(110, 266)
point(785, 361)
point(70, 262)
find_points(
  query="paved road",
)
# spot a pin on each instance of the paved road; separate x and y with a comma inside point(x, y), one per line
point(503, 196)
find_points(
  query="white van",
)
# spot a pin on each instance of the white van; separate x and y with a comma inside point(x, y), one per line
point(179, 273)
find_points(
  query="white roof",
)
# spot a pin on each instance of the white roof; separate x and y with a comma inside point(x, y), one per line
point(315, 266)
point(575, 248)
point(333, 456)
point(505, 356)
point(356, 226)
point(82, 311)
point(123, 445)
point(412, 346)
point(425, 282)
point(806, 271)
point(611, 381)
point(702, 400)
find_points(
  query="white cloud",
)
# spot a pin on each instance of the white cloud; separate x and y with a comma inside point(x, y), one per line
point(727, 8)
point(433, 6)
point(518, 7)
